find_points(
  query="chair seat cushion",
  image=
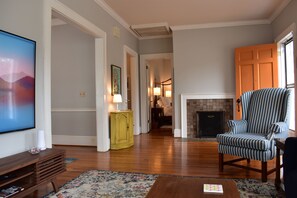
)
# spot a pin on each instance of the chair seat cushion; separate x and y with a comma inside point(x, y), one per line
point(245, 140)
point(253, 154)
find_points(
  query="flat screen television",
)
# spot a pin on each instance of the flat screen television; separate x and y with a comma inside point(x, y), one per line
point(17, 82)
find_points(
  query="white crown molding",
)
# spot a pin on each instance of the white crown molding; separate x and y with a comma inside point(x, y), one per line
point(277, 12)
point(56, 22)
point(114, 15)
point(111, 12)
point(217, 25)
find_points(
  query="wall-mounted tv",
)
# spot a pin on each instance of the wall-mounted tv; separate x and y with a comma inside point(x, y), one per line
point(17, 82)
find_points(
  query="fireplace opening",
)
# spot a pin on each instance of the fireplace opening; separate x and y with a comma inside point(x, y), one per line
point(210, 123)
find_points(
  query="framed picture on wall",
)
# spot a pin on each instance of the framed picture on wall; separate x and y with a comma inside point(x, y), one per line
point(116, 84)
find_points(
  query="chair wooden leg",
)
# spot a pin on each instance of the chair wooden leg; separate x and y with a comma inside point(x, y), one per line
point(248, 161)
point(264, 171)
point(221, 162)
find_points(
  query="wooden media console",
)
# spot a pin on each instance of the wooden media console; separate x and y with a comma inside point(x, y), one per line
point(29, 171)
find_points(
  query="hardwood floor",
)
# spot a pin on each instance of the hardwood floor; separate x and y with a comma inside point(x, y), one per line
point(154, 153)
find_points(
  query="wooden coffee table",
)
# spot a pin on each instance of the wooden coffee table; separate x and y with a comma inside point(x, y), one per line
point(174, 187)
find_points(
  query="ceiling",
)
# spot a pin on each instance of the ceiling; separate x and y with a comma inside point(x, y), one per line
point(185, 13)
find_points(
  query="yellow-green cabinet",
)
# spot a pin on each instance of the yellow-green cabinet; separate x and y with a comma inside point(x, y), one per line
point(121, 129)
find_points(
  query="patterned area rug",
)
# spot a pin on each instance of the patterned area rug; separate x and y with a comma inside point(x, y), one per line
point(107, 184)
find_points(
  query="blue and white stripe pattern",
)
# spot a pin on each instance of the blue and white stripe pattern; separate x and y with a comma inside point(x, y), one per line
point(245, 102)
point(237, 126)
point(246, 140)
point(248, 153)
point(264, 117)
point(266, 107)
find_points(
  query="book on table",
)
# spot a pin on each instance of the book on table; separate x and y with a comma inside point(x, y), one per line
point(213, 188)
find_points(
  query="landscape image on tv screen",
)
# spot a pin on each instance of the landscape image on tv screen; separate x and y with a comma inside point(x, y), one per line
point(17, 83)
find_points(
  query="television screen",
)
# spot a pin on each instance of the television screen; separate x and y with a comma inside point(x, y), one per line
point(17, 82)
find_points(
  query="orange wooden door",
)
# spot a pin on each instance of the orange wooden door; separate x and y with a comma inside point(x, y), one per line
point(256, 68)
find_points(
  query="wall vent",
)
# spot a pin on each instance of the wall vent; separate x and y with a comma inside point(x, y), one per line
point(150, 30)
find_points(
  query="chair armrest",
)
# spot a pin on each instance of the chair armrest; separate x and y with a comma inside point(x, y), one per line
point(279, 127)
point(278, 130)
point(237, 126)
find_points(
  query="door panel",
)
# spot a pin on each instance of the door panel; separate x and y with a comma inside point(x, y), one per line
point(266, 81)
point(246, 55)
point(265, 53)
point(255, 67)
point(247, 76)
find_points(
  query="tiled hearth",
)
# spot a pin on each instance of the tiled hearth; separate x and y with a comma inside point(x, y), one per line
point(194, 105)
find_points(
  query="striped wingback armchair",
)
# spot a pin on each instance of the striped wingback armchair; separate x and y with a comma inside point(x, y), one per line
point(264, 117)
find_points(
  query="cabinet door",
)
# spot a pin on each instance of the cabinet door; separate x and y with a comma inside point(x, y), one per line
point(121, 130)
point(123, 124)
point(256, 68)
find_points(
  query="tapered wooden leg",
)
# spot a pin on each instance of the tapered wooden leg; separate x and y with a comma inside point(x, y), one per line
point(248, 161)
point(264, 171)
point(221, 162)
point(54, 183)
point(278, 167)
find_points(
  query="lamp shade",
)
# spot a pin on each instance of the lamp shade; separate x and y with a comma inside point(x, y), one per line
point(168, 93)
point(117, 98)
point(157, 91)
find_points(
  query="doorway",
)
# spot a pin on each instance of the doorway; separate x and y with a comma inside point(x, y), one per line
point(102, 136)
point(156, 71)
point(72, 86)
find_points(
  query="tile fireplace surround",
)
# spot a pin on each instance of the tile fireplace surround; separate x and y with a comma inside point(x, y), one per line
point(193, 103)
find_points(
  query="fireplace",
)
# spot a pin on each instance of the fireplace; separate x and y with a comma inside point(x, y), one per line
point(210, 123)
point(206, 103)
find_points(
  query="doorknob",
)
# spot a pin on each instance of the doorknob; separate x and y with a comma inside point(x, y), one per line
point(238, 101)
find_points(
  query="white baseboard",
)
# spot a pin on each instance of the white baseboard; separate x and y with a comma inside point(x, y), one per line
point(177, 133)
point(75, 140)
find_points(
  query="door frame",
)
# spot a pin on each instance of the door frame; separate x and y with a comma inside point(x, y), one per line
point(144, 89)
point(102, 126)
point(134, 61)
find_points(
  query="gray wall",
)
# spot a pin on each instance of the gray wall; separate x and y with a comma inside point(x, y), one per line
point(24, 18)
point(155, 46)
point(90, 10)
point(285, 19)
point(73, 72)
point(204, 59)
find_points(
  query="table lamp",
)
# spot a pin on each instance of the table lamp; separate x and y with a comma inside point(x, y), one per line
point(168, 94)
point(117, 98)
point(157, 92)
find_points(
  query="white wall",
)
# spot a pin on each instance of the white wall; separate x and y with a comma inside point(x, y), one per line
point(204, 59)
point(24, 18)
